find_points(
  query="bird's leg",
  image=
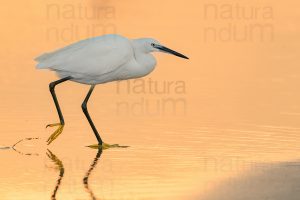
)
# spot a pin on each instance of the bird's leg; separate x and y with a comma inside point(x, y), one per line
point(86, 113)
point(101, 144)
point(60, 125)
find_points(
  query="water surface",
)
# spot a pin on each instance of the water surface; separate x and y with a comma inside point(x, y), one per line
point(223, 125)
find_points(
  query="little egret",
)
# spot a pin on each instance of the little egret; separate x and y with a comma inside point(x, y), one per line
point(99, 60)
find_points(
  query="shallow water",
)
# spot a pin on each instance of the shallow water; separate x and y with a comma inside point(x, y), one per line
point(223, 125)
point(164, 161)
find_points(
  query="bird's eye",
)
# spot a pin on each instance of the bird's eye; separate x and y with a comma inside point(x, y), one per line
point(152, 44)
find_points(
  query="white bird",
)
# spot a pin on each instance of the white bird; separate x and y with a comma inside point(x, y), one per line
point(100, 60)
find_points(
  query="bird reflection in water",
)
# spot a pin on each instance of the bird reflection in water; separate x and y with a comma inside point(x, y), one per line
point(92, 167)
point(88, 173)
point(61, 169)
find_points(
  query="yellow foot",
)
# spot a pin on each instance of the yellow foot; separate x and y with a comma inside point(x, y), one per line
point(52, 125)
point(105, 146)
point(56, 133)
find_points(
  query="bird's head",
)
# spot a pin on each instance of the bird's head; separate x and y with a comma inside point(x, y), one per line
point(151, 45)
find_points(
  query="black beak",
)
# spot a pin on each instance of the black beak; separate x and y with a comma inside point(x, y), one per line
point(167, 50)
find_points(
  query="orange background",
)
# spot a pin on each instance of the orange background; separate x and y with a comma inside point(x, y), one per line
point(233, 89)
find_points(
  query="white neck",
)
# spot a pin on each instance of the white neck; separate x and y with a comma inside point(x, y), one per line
point(142, 55)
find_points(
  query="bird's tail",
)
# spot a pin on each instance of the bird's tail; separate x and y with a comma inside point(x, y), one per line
point(41, 60)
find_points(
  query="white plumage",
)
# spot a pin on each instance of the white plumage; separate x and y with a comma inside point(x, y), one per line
point(99, 60)
point(103, 59)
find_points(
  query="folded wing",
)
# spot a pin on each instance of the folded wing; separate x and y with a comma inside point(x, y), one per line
point(94, 56)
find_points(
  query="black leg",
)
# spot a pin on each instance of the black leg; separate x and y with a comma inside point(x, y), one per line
point(85, 111)
point(52, 87)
